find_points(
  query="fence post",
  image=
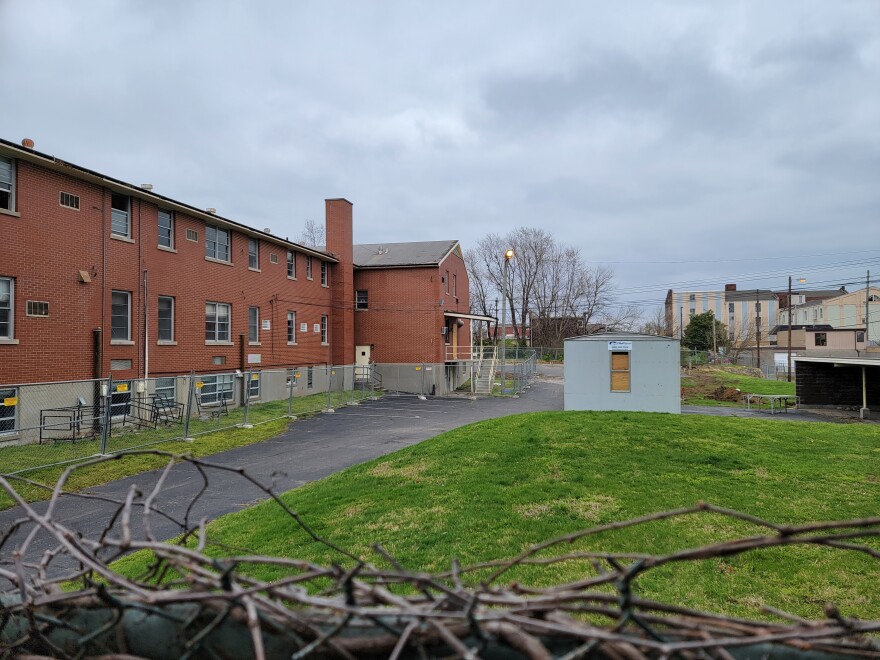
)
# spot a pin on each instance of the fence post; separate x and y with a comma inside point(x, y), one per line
point(105, 423)
point(247, 401)
point(290, 396)
point(422, 383)
point(329, 407)
point(189, 402)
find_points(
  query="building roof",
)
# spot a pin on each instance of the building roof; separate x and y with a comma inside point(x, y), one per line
point(56, 164)
point(873, 361)
point(749, 294)
point(396, 255)
point(621, 336)
point(821, 327)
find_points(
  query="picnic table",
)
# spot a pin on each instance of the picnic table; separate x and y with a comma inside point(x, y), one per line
point(776, 401)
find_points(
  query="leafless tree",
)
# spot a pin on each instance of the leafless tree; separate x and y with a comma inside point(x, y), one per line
point(549, 283)
point(656, 323)
point(312, 234)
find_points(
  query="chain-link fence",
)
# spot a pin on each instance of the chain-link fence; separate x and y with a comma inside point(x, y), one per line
point(118, 415)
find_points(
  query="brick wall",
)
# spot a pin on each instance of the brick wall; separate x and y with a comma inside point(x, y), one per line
point(339, 244)
point(405, 315)
point(47, 245)
point(820, 384)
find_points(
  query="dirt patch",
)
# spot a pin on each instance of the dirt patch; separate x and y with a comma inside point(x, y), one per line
point(725, 394)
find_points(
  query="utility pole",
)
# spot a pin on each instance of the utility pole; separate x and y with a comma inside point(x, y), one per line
point(789, 328)
point(758, 329)
point(508, 255)
point(714, 338)
point(867, 306)
point(680, 322)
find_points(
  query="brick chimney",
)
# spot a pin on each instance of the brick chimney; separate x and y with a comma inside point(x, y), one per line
point(730, 287)
point(340, 239)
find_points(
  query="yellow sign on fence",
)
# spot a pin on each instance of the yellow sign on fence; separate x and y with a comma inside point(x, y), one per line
point(255, 376)
point(199, 385)
point(11, 401)
point(122, 388)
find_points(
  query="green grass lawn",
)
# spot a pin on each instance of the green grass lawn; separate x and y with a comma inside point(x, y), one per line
point(490, 490)
point(209, 439)
point(715, 386)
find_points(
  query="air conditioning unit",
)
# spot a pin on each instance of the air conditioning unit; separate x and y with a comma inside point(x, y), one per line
point(444, 330)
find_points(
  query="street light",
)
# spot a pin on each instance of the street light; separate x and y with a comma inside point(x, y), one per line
point(801, 280)
point(508, 255)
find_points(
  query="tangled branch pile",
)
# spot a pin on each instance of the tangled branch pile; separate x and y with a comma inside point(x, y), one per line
point(62, 597)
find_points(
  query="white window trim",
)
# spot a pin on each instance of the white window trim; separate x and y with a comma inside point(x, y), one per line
point(10, 338)
point(256, 255)
point(216, 259)
point(215, 341)
point(309, 267)
point(173, 314)
point(170, 215)
point(254, 342)
point(291, 326)
point(118, 341)
point(291, 253)
point(117, 235)
point(12, 200)
point(325, 274)
point(325, 330)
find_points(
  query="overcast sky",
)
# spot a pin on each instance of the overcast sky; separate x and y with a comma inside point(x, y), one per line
point(719, 138)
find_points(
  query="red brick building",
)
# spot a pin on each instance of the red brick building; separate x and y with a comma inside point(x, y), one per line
point(98, 276)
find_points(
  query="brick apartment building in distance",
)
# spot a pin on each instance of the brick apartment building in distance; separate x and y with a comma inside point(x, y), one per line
point(98, 276)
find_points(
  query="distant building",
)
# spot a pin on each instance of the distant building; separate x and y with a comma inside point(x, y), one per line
point(742, 311)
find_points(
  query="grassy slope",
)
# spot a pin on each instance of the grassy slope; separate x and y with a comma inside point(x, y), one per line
point(700, 383)
point(489, 490)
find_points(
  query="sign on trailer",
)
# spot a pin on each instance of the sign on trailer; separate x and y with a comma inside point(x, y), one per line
point(620, 345)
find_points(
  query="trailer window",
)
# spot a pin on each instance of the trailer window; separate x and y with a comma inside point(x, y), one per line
point(619, 371)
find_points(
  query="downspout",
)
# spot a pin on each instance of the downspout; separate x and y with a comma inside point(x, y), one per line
point(146, 331)
point(103, 276)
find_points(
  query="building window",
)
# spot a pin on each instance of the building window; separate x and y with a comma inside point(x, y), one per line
point(37, 308)
point(291, 327)
point(620, 371)
point(216, 388)
point(120, 215)
point(308, 267)
point(692, 297)
point(454, 285)
point(693, 311)
point(860, 336)
point(821, 339)
point(254, 325)
point(310, 378)
point(8, 408)
point(166, 318)
point(120, 316)
point(731, 308)
point(254, 253)
point(7, 184)
point(325, 274)
point(69, 201)
point(7, 300)
point(446, 281)
point(166, 229)
point(217, 243)
point(273, 258)
point(361, 300)
point(120, 399)
point(192, 235)
point(323, 328)
point(254, 386)
point(166, 388)
point(217, 316)
point(291, 264)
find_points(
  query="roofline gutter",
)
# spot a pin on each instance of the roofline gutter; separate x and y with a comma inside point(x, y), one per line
point(56, 164)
